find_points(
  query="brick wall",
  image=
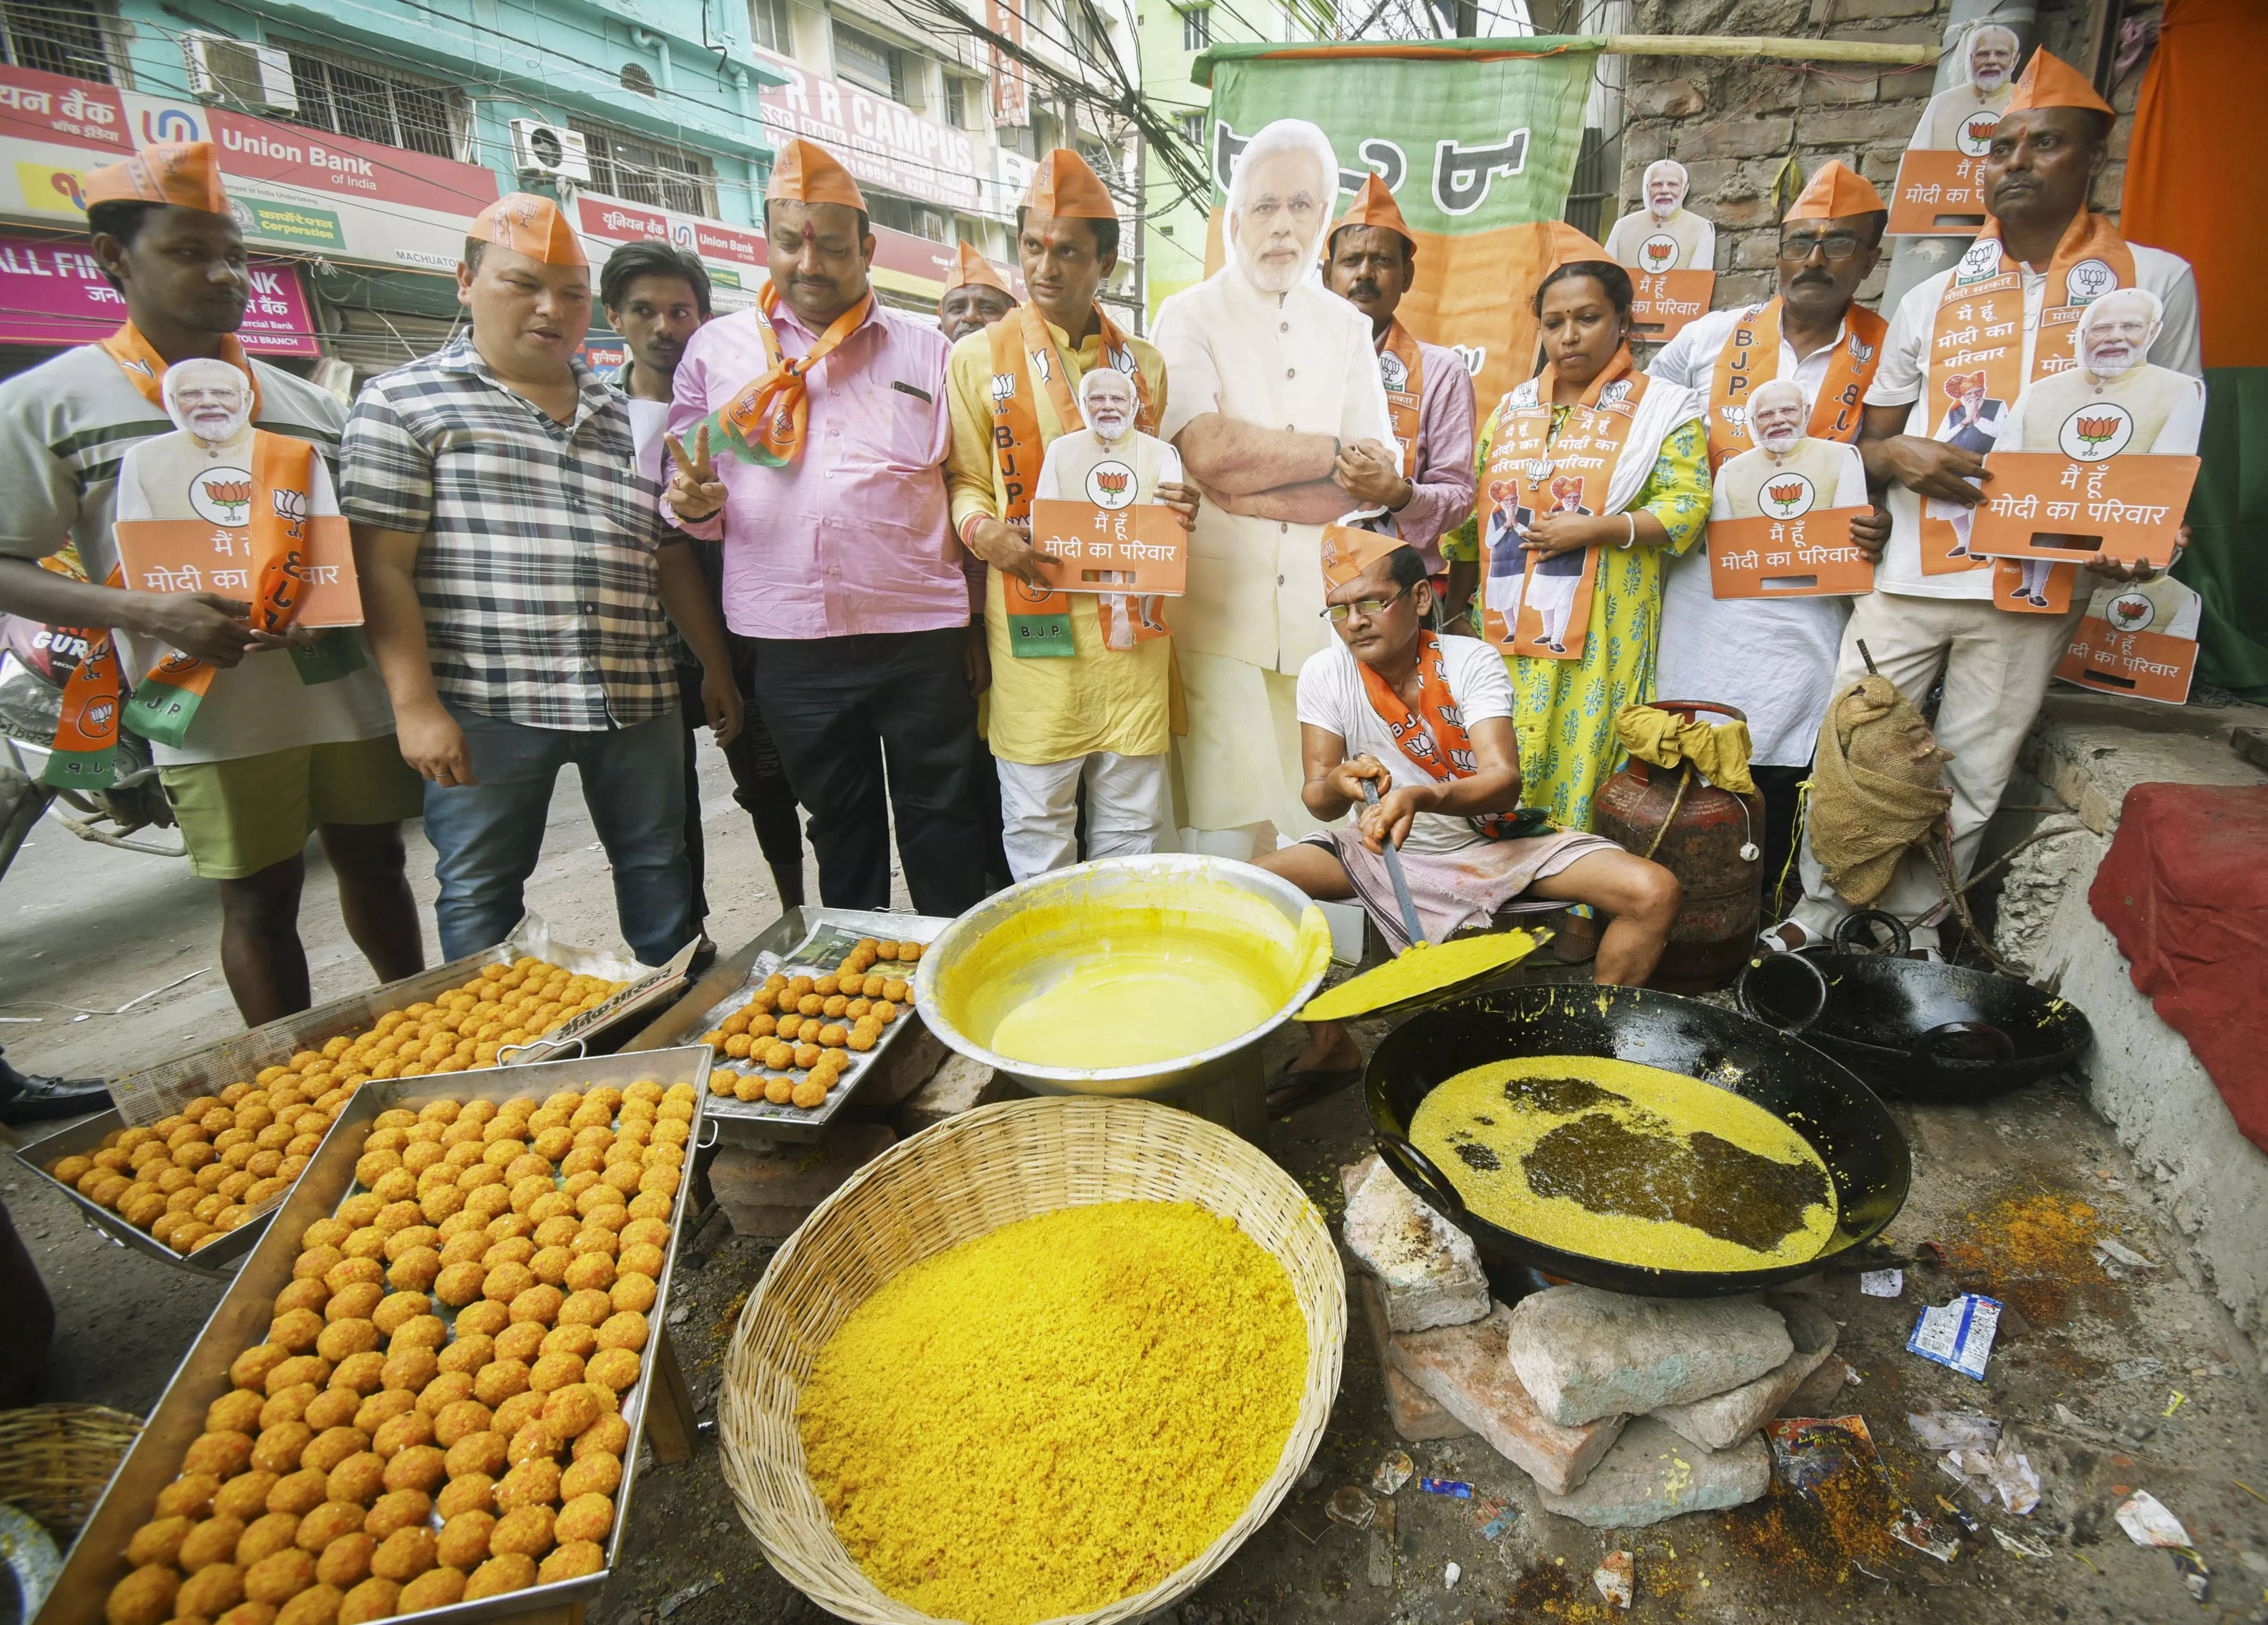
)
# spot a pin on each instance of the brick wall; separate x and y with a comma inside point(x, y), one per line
point(1732, 122)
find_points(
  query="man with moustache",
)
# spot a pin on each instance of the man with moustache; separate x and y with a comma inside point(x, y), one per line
point(1774, 659)
point(809, 434)
point(2005, 311)
point(1273, 379)
point(657, 296)
point(1959, 117)
point(1423, 476)
point(1079, 679)
point(519, 587)
point(974, 297)
point(1666, 217)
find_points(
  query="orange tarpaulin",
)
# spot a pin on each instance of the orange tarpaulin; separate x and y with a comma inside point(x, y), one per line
point(2201, 114)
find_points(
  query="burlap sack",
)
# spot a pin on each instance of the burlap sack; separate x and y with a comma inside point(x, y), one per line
point(1875, 788)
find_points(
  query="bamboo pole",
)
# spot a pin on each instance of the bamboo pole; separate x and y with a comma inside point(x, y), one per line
point(1787, 49)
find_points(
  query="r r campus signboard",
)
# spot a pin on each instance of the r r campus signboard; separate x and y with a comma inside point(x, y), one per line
point(300, 189)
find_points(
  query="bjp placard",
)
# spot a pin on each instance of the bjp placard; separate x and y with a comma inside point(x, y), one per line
point(1938, 194)
point(2046, 505)
point(1140, 547)
point(1780, 512)
point(1663, 302)
point(2137, 639)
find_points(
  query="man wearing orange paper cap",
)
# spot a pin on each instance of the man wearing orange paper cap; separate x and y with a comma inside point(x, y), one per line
point(277, 733)
point(975, 296)
point(1424, 475)
point(1774, 659)
point(520, 587)
point(1273, 379)
point(1428, 720)
point(809, 434)
point(1079, 679)
point(2008, 311)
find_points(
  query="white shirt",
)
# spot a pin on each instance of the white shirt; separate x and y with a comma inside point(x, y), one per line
point(1903, 380)
point(1331, 695)
point(1774, 659)
point(1302, 361)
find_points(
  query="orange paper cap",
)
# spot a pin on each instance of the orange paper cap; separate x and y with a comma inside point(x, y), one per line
point(974, 269)
point(1350, 551)
point(1569, 245)
point(1065, 189)
point(530, 224)
point(1375, 205)
point(807, 172)
point(186, 173)
point(1837, 190)
point(2048, 81)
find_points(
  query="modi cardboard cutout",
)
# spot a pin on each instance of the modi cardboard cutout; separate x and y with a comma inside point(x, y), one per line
point(1670, 252)
point(1095, 512)
point(2139, 639)
point(220, 506)
point(1937, 189)
point(1780, 512)
point(2097, 458)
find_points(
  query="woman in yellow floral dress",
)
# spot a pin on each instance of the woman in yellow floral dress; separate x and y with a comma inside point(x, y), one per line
point(1567, 706)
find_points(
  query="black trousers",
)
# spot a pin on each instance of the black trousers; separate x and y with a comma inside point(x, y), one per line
point(872, 725)
point(1779, 789)
point(759, 781)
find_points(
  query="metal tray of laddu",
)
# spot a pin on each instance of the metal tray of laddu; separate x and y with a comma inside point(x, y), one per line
point(144, 1097)
point(811, 940)
point(96, 1560)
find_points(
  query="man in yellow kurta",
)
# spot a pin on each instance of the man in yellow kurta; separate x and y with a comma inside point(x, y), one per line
point(1080, 683)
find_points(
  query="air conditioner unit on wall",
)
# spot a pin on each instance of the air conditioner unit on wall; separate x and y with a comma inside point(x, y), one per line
point(541, 151)
point(238, 73)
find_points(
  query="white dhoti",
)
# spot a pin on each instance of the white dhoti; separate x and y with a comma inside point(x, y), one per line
point(1239, 764)
point(1126, 809)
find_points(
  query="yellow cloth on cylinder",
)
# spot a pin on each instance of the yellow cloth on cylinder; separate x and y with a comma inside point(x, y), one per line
point(1718, 751)
point(1101, 698)
point(1875, 789)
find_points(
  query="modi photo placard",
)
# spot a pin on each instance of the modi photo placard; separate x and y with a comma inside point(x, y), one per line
point(2057, 505)
point(2138, 639)
point(1664, 302)
point(1807, 555)
point(191, 556)
point(1141, 547)
point(1939, 194)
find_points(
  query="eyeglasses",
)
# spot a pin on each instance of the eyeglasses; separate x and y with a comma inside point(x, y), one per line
point(1797, 249)
point(1368, 607)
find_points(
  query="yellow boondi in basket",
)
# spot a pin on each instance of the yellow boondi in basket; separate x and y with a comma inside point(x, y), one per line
point(1057, 1415)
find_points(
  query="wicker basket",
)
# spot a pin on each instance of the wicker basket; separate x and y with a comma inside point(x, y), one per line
point(961, 1180)
point(55, 1461)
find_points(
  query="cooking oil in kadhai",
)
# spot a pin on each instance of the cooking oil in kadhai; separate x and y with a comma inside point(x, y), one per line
point(1628, 1164)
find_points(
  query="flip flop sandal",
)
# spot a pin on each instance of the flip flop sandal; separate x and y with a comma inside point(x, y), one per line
point(1774, 938)
point(1304, 1086)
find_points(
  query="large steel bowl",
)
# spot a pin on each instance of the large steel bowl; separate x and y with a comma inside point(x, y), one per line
point(963, 1012)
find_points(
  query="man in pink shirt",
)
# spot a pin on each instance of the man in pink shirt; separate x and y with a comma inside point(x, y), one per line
point(825, 480)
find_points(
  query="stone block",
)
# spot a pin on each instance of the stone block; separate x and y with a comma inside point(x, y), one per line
point(1427, 1269)
point(1859, 125)
point(1723, 1420)
point(1855, 11)
point(768, 1190)
point(1737, 137)
point(1585, 1354)
point(1463, 1367)
point(1416, 1414)
point(958, 1085)
point(1651, 1475)
point(1818, 1395)
point(1667, 98)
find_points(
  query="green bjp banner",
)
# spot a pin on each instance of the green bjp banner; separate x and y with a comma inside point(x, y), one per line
point(1477, 143)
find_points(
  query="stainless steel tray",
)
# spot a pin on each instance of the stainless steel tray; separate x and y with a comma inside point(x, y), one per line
point(145, 1096)
point(905, 1044)
point(97, 1559)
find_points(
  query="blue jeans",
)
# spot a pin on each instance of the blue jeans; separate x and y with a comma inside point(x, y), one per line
point(487, 836)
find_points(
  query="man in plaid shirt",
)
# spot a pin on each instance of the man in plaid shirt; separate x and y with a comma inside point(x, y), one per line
point(515, 576)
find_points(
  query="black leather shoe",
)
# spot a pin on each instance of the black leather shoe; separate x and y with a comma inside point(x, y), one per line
point(29, 1099)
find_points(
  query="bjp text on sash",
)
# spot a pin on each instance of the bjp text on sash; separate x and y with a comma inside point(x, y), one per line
point(2043, 504)
point(1811, 555)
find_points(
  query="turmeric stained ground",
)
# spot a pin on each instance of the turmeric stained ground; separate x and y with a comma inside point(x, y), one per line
point(1057, 1415)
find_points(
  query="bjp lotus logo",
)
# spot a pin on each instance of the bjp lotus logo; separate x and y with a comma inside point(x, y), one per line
point(1658, 253)
point(291, 508)
point(2095, 433)
point(1787, 496)
point(1975, 136)
point(2131, 612)
point(222, 495)
point(1110, 485)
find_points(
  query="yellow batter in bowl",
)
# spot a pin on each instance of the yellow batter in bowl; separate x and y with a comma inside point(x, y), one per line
point(1628, 1164)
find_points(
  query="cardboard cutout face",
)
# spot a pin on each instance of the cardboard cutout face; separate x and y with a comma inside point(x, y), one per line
point(211, 402)
point(1777, 416)
point(2117, 331)
point(1666, 185)
point(1283, 207)
point(1991, 58)
point(1106, 396)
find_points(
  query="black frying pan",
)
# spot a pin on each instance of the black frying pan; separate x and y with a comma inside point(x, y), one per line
point(1842, 1121)
point(1912, 1029)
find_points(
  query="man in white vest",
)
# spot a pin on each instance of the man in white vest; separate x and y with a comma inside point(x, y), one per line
point(1272, 378)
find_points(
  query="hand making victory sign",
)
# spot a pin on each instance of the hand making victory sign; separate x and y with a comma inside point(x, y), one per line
point(695, 490)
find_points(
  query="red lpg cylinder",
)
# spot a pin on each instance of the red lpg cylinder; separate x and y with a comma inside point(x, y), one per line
point(1698, 832)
